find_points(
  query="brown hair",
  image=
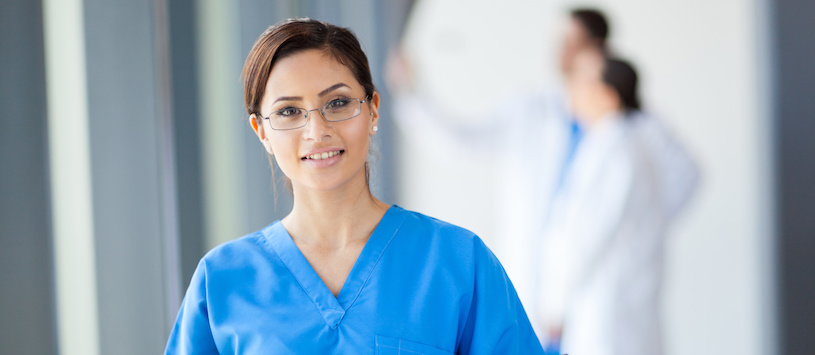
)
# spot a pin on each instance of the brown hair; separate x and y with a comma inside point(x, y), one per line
point(595, 24)
point(297, 35)
point(293, 36)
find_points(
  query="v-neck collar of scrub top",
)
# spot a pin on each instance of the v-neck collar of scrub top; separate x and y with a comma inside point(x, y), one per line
point(333, 308)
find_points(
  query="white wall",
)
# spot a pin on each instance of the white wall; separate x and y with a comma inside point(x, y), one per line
point(699, 73)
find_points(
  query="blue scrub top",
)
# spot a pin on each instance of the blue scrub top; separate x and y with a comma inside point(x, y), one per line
point(419, 286)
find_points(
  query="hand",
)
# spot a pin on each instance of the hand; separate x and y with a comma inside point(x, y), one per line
point(553, 335)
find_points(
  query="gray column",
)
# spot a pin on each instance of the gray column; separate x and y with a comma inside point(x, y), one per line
point(26, 290)
point(323, 10)
point(794, 73)
point(184, 63)
point(130, 145)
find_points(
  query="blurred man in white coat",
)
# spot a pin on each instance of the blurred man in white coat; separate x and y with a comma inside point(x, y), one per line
point(585, 188)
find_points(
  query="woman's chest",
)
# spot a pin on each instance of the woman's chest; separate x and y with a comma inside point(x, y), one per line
point(287, 317)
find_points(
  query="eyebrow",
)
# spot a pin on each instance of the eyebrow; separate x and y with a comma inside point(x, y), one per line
point(321, 94)
point(332, 88)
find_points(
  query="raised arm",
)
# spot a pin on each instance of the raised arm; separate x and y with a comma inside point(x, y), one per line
point(424, 121)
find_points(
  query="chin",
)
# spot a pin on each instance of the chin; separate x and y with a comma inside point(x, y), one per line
point(324, 186)
point(332, 182)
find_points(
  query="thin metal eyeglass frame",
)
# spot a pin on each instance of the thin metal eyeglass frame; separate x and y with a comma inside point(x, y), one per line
point(308, 114)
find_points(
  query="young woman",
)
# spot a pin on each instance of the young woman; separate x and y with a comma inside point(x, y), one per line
point(343, 272)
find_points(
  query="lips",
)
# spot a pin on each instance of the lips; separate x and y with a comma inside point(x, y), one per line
point(323, 155)
point(323, 158)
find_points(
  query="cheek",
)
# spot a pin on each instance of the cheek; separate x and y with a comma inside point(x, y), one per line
point(285, 150)
point(357, 138)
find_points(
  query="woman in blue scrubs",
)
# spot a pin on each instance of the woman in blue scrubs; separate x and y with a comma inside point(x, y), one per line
point(343, 272)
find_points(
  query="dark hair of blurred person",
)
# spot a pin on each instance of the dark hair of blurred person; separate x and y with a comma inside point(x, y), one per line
point(621, 76)
point(600, 86)
point(586, 28)
point(594, 22)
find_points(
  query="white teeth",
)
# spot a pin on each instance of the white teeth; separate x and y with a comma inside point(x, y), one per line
point(325, 155)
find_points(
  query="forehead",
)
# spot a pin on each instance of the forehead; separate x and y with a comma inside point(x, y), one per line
point(307, 73)
point(574, 28)
point(589, 64)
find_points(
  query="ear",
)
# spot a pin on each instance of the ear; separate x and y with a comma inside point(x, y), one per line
point(374, 116)
point(260, 131)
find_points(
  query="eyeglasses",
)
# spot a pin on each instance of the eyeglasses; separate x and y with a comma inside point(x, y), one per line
point(334, 111)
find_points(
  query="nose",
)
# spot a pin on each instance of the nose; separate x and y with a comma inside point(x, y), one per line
point(317, 128)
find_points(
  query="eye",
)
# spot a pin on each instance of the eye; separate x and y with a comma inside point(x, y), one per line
point(288, 112)
point(337, 104)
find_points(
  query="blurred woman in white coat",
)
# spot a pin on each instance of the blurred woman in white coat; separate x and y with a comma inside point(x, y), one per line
point(602, 245)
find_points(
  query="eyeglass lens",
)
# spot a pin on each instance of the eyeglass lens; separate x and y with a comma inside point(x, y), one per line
point(333, 111)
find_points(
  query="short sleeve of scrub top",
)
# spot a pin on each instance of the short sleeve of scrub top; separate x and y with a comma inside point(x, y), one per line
point(419, 286)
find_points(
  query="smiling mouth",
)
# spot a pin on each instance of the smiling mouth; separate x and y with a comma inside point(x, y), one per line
point(324, 155)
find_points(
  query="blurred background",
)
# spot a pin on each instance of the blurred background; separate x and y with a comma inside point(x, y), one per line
point(125, 153)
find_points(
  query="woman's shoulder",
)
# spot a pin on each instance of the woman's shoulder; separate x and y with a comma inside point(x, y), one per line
point(433, 226)
point(434, 232)
point(459, 247)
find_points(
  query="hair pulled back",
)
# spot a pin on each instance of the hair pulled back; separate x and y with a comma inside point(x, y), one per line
point(293, 36)
point(621, 76)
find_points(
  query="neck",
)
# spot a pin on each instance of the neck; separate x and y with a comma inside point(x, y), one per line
point(595, 119)
point(334, 218)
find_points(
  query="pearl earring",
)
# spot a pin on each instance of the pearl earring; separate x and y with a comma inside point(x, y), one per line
point(376, 128)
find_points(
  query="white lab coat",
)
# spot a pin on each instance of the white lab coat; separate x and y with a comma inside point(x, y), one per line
point(586, 253)
point(602, 247)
